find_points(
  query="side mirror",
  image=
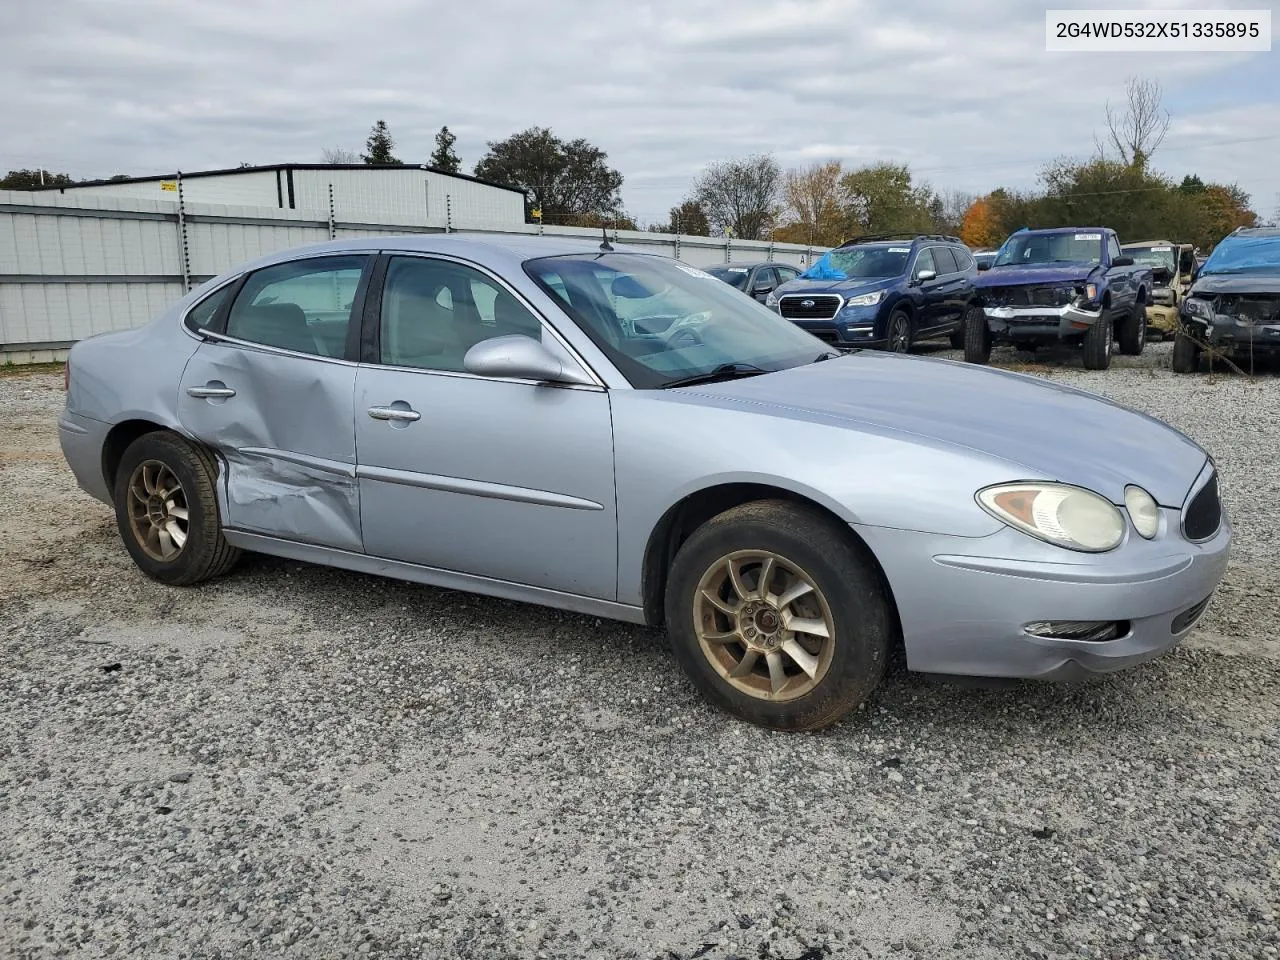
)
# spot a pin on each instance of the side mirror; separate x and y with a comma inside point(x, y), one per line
point(1122, 262)
point(984, 265)
point(762, 288)
point(924, 275)
point(521, 357)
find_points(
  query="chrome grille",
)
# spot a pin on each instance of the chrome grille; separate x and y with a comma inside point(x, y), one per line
point(1203, 515)
point(812, 306)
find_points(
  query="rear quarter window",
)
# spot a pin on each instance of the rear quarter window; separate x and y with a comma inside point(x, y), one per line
point(200, 317)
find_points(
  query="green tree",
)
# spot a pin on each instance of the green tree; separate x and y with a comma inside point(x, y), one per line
point(564, 179)
point(34, 179)
point(689, 219)
point(881, 198)
point(443, 156)
point(741, 197)
point(379, 146)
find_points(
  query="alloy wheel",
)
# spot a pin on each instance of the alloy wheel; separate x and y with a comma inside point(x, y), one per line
point(900, 336)
point(158, 513)
point(763, 625)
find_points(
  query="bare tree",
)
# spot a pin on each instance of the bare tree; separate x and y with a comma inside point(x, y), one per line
point(740, 195)
point(813, 204)
point(1137, 131)
point(339, 155)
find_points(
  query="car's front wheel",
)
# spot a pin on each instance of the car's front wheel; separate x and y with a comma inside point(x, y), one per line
point(167, 510)
point(899, 339)
point(1133, 331)
point(977, 335)
point(1186, 353)
point(777, 616)
point(1097, 343)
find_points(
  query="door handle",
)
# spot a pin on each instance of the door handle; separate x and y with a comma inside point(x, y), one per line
point(405, 414)
point(210, 390)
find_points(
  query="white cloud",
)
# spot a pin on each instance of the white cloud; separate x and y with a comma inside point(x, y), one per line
point(963, 92)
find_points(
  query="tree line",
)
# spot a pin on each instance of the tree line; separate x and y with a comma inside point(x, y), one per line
point(571, 182)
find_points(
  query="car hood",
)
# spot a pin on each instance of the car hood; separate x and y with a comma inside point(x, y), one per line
point(1010, 276)
point(846, 288)
point(1237, 283)
point(1043, 429)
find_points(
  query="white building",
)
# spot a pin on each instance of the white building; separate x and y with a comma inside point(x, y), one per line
point(362, 193)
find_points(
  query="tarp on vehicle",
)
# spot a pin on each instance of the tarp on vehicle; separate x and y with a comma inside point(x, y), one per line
point(824, 269)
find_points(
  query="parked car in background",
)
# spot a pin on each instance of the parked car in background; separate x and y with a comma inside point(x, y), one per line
point(1065, 285)
point(985, 259)
point(1172, 267)
point(757, 280)
point(1233, 307)
point(884, 292)
point(475, 412)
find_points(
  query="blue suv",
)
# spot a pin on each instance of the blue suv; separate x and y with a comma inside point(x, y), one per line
point(885, 292)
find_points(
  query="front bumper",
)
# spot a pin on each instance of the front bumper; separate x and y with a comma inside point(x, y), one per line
point(1162, 318)
point(964, 601)
point(1237, 338)
point(1040, 322)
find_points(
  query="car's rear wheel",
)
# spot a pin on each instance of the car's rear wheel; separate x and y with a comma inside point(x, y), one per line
point(167, 510)
point(1133, 331)
point(1097, 344)
point(899, 337)
point(977, 336)
point(777, 617)
point(1186, 354)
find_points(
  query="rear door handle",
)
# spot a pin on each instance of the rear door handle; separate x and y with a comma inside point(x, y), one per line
point(212, 389)
point(405, 414)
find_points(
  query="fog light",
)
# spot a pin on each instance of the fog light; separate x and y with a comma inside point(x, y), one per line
point(1091, 631)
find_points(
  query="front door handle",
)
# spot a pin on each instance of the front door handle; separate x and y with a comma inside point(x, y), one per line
point(212, 389)
point(405, 414)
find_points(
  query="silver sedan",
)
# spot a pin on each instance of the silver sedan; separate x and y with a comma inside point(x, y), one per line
point(620, 434)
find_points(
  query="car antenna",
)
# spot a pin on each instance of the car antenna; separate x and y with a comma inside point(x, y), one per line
point(605, 245)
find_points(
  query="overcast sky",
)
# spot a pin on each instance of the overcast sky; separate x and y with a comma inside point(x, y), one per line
point(964, 92)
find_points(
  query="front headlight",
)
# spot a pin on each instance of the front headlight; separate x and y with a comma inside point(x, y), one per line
point(1089, 291)
point(1198, 308)
point(865, 299)
point(771, 301)
point(1143, 511)
point(1057, 513)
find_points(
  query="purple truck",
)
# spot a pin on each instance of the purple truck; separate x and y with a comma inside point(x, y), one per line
point(1066, 285)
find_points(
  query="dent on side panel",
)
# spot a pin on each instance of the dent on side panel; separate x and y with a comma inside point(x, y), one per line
point(287, 440)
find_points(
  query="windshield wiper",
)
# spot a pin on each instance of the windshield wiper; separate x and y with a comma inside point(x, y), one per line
point(726, 371)
point(825, 355)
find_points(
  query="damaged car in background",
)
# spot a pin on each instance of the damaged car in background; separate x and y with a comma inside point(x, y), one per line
point(1172, 266)
point(619, 434)
point(1066, 285)
point(1232, 309)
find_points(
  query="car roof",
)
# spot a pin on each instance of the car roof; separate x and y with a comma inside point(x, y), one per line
point(750, 265)
point(1069, 230)
point(1256, 232)
point(1152, 243)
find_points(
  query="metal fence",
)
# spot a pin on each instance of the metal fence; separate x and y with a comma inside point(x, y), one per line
point(75, 266)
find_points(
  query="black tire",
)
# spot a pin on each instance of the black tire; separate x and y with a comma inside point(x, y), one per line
point(977, 336)
point(898, 333)
point(844, 577)
point(1186, 354)
point(1132, 332)
point(205, 553)
point(1097, 344)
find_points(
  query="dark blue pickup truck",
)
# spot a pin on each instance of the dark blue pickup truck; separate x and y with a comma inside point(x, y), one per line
point(1065, 285)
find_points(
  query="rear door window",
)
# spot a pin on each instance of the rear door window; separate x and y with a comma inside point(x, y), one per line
point(944, 260)
point(304, 305)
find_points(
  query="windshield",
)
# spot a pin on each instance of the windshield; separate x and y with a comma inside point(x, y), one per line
point(1028, 248)
point(1161, 255)
point(1244, 255)
point(861, 262)
point(734, 276)
point(660, 321)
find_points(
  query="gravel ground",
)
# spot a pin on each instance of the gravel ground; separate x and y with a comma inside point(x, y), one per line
point(299, 762)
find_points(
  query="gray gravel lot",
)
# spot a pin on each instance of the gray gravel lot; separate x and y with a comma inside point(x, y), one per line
point(299, 762)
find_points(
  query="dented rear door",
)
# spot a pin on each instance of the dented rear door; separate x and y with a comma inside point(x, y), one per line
point(279, 413)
